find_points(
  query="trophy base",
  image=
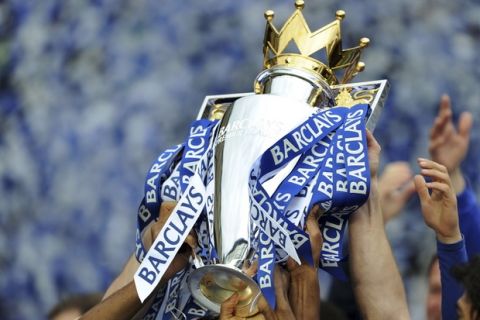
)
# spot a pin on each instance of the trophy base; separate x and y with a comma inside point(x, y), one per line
point(213, 284)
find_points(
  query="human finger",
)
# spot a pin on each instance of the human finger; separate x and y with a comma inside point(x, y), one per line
point(192, 240)
point(250, 269)
point(445, 106)
point(315, 235)
point(465, 124)
point(436, 175)
point(443, 117)
point(422, 190)
point(429, 164)
point(438, 127)
point(372, 143)
point(154, 228)
point(265, 309)
point(227, 308)
point(438, 186)
point(373, 153)
point(165, 211)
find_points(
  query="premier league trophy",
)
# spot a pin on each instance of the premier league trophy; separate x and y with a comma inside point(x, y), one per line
point(271, 157)
point(286, 92)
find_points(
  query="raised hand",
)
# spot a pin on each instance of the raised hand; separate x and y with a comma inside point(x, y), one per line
point(439, 208)
point(449, 145)
point(372, 282)
point(395, 187)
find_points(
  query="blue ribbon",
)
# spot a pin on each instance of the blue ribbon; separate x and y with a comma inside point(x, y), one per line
point(332, 162)
point(300, 141)
point(150, 206)
point(195, 146)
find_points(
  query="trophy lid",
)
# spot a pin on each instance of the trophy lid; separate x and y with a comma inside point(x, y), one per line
point(308, 43)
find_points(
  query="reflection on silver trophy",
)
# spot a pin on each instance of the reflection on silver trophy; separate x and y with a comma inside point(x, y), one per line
point(292, 87)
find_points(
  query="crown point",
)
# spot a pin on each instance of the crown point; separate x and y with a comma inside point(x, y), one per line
point(269, 14)
point(360, 66)
point(364, 42)
point(299, 4)
point(340, 14)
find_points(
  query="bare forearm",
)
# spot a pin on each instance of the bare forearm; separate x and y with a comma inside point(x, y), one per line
point(376, 280)
point(304, 293)
point(122, 304)
point(125, 277)
point(458, 181)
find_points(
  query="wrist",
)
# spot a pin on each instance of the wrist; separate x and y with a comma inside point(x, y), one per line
point(371, 209)
point(303, 273)
point(454, 237)
point(304, 293)
point(458, 181)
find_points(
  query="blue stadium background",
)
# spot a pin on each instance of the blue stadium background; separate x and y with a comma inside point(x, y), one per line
point(91, 91)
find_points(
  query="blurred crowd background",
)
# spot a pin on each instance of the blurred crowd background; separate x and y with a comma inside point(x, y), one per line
point(91, 91)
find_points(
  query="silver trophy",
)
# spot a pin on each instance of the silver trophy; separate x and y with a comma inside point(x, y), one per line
point(289, 90)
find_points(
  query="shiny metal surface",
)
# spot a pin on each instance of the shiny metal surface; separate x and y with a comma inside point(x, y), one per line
point(248, 128)
point(213, 284)
point(302, 85)
point(374, 93)
point(285, 93)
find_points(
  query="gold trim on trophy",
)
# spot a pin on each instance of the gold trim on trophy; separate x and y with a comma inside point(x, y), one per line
point(308, 43)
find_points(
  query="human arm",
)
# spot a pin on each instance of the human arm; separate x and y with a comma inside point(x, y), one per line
point(304, 291)
point(450, 255)
point(449, 146)
point(128, 271)
point(439, 210)
point(121, 300)
point(469, 218)
point(375, 277)
point(121, 304)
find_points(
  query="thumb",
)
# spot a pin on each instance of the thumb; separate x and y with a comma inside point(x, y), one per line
point(422, 190)
point(227, 309)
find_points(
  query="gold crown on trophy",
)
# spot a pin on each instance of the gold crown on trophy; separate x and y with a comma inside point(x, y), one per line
point(308, 43)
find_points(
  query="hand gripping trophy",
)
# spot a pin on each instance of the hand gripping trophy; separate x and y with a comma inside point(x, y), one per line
point(254, 165)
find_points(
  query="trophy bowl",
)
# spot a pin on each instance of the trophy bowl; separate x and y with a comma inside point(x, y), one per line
point(211, 285)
